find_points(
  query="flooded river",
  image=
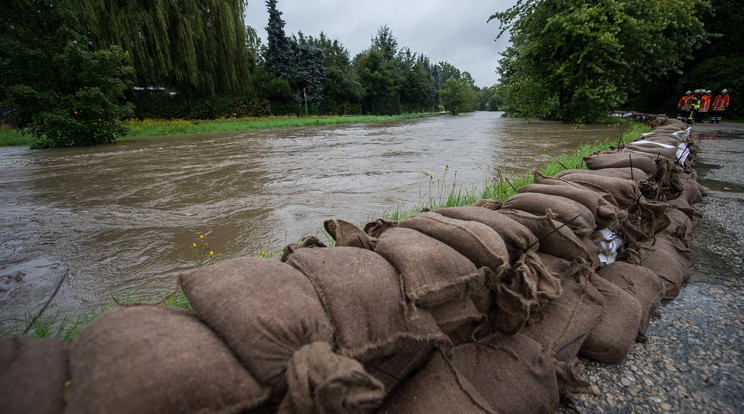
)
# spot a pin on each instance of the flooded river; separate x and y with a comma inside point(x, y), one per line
point(117, 218)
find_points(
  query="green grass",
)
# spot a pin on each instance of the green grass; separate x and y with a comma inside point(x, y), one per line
point(14, 137)
point(152, 127)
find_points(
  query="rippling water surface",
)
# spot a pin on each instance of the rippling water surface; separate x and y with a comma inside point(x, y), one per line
point(119, 217)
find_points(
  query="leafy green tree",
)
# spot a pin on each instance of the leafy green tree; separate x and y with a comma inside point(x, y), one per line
point(380, 74)
point(64, 91)
point(458, 96)
point(342, 91)
point(576, 60)
point(196, 47)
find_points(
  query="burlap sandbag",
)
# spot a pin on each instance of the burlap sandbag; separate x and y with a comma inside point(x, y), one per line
point(614, 159)
point(436, 389)
point(321, 382)
point(349, 235)
point(377, 227)
point(481, 244)
point(432, 272)
point(670, 260)
point(307, 242)
point(361, 293)
point(453, 315)
point(577, 216)
point(664, 138)
point(652, 149)
point(692, 191)
point(33, 373)
point(642, 283)
point(555, 239)
point(564, 323)
point(626, 192)
point(499, 374)
point(517, 237)
point(265, 310)
point(148, 359)
point(602, 205)
point(523, 291)
point(644, 220)
point(681, 222)
point(626, 173)
point(611, 339)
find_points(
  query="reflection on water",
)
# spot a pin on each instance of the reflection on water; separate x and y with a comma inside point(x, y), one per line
point(123, 216)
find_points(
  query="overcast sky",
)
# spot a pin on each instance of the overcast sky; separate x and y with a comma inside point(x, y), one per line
point(444, 30)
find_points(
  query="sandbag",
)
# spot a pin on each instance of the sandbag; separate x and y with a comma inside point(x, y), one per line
point(564, 323)
point(625, 192)
point(613, 159)
point(348, 235)
point(432, 273)
point(626, 173)
point(149, 359)
point(663, 150)
point(481, 244)
point(361, 293)
point(577, 216)
point(379, 226)
point(611, 339)
point(321, 382)
point(644, 220)
point(670, 260)
point(499, 374)
point(518, 238)
point(555, 239)
point(33, 373)
point(642, 283)
point(453, 315)
point(265, 311)
point(602, 205)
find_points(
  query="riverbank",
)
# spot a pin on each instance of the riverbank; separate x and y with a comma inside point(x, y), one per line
point(153, 127)
point(693, 359)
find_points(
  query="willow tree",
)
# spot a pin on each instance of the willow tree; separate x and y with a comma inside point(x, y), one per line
point(196, 47)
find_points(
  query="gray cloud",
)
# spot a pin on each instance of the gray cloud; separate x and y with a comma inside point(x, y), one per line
point(443, 30)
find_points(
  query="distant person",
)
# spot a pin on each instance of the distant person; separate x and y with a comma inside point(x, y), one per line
point(684, 106)
point(694, 106)
point(704, 106)
point(719, 106)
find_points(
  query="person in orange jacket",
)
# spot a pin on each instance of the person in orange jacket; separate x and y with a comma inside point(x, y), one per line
point(719, 106)
point(704, 106)
point(684, 106)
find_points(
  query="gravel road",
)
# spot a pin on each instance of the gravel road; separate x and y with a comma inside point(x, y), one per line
point(694, 358)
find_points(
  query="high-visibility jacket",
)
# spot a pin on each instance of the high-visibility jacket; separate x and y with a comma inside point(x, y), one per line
point(695, 102)
point(721, 102)
point(683, 102)
point(704, 103)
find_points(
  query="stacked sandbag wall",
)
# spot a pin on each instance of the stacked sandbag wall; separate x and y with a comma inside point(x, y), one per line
point(484, 308)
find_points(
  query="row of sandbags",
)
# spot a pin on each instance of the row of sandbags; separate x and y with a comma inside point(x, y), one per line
point(484, 308)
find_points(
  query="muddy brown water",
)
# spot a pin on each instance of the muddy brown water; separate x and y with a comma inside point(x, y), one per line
point(123, 217)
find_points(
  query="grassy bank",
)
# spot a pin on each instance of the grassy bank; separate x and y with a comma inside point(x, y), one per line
point(440, 193)
point(153, 127)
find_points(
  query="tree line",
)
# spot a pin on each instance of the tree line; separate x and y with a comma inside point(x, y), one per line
point(576, 60)
point(72, 68)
